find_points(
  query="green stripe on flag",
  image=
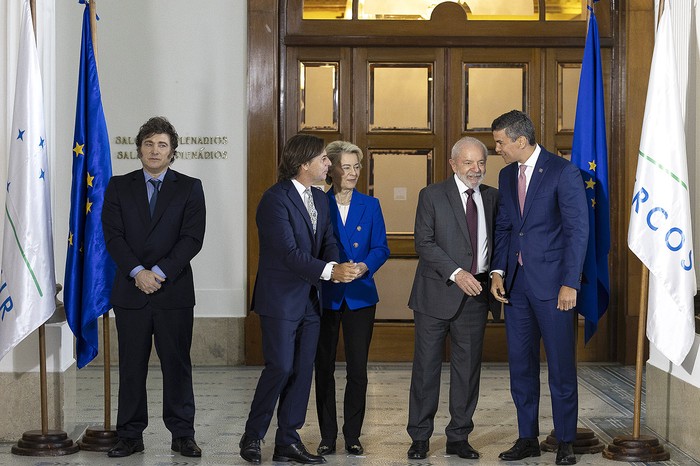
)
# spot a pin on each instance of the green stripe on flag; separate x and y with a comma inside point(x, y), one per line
point(29, 267)
point(673, 175)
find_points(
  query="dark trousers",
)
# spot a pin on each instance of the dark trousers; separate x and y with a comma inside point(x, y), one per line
point(171, 330)
point(529, 320)
point(466, 331)
point(357, 334)
point(288, 349)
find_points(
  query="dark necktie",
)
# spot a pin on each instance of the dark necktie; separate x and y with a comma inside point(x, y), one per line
point(522, 191)
point(310, 206)
point(473, 227)
point(154, 197)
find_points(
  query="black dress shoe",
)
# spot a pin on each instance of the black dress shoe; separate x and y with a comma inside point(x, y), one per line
point(250, 449)
point(462, 449)
point(186, 446)
point(419, 450)
point(523, 448)
point(296, 452)
point(354, 447)
point(565, 453)
point(326, 447)
point(125, 447)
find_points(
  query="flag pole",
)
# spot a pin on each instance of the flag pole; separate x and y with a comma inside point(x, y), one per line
point(95, 438)
point(43, 442)
point(42, 381)
point(641, 341)
point(42, 328)
point(638, 447)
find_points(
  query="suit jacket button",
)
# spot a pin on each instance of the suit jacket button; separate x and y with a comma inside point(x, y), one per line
point(354, 245)
point(359, 228)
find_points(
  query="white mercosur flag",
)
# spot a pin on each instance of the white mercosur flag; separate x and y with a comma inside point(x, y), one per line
point(660, 232)
point(28, 280)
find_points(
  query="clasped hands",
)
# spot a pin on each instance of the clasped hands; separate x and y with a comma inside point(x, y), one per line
point(348, 271)
point(148, 281)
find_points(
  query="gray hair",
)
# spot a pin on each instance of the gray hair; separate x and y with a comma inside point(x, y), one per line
point(468, 141)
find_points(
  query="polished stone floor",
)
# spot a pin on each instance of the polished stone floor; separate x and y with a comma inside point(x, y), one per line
point(223, 398)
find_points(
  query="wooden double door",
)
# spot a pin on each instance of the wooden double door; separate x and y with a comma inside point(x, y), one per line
point(405, 107)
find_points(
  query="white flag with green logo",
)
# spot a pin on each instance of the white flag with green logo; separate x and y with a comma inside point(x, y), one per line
point(660, 231)
point(28, 280)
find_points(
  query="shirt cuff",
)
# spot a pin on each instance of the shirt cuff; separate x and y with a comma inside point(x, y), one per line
point(136, 270)
point(326, 274)
point(454, 274)
point(499, 272)
point(157, 270)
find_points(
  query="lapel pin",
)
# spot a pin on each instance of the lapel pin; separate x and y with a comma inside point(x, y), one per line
point(540, 170)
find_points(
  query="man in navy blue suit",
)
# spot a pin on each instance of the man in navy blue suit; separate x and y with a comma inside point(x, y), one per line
point(297, 251)
point(540, 245)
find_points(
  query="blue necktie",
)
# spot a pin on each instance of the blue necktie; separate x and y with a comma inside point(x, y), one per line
point(154, 197)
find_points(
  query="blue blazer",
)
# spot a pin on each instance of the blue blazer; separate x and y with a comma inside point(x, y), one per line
point(291, 256)
point(551, 234)
point(361, 239)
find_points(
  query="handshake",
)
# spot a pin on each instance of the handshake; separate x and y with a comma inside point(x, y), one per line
point(348, 271)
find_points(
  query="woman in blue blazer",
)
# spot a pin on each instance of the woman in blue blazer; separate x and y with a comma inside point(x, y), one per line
point(359, 228)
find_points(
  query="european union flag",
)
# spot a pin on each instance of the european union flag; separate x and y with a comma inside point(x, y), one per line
point(590, 154)
point(89, 269)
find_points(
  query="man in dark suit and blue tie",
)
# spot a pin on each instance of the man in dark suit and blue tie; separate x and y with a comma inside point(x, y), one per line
point(153, 221)
point(297, 251)
point(540, 245)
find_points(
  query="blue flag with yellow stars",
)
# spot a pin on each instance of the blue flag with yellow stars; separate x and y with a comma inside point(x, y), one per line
point(590, 153)
point(89, 269)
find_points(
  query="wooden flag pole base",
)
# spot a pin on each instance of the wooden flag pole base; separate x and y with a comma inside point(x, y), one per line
point(44, 442)
point(51, 443)
point(97, 438)
point(628, 448)
point(637, 447)
point(586, 442)
point(102, 438)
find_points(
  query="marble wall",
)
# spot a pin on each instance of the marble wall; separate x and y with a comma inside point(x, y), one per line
point(672, 409)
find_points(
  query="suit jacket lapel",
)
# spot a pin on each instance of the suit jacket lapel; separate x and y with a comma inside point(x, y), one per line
point(538, 174)
point(455, 199)
point(355, 213)
point(513, 167)
point(296, 199)
point(487, 199)
point(165, 196)
point(140, 196)
point(338, 227)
